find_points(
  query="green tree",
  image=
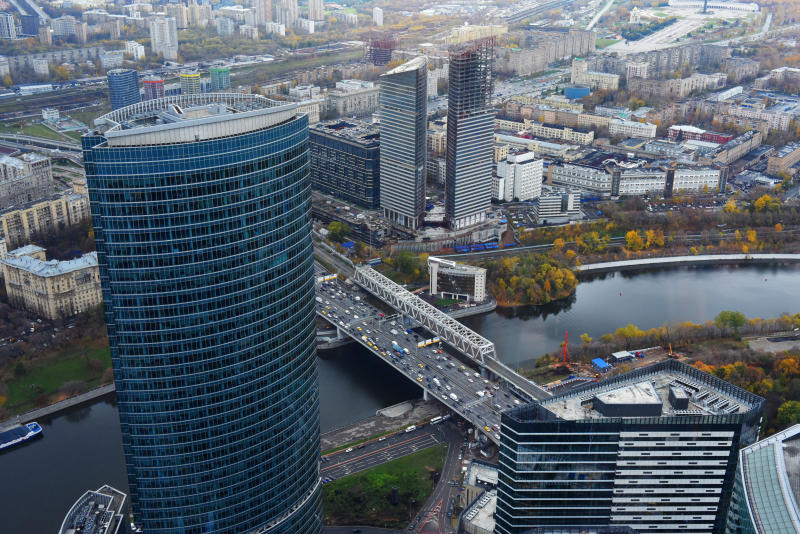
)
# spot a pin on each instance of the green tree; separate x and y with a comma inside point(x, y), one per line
point(730, 319)
point(586, 338)
point(789, 413)
point(338, 230)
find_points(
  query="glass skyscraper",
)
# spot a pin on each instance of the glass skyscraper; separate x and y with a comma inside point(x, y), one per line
point(654, 449)
point(404, 113)
point(470, 130)
point(220, 78)
point(201, 211)
point(123, 87)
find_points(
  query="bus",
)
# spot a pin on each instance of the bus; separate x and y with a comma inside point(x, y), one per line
point(374, 261)
point(437, 420)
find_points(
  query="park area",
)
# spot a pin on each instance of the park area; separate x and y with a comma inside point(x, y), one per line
point(365, 498)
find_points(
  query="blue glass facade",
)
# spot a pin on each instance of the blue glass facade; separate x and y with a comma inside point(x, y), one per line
point(123, 88)
point(207, 271)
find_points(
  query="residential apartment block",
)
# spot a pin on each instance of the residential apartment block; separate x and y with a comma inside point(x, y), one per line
point(564, 133)
point(642, 130)
point(354, 97)
point(581, 75)
point(52, 289)
point(783, 159)
point(20, 224)
point(677, 87)
point(24, 179)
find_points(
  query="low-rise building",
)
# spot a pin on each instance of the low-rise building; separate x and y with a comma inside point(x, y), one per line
point(685, 132)
point(608, 174)
point(555, 131)
point(53, 289)
point(457, 281)
point(783, 159)
point(345, 161)
point(354, 98)
point(557, 206)
point(736, 148)
point(50, 114)
point(623, 128)
point(595, 80)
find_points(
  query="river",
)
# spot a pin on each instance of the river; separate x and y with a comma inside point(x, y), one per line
point(81, 448)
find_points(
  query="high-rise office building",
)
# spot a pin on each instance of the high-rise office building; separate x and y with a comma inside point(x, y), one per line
point(201, 207)
point(766, 499)
point(654, 450)
point(190, 82)
point(315, 10)
point(8, 26)
point(153, 87)
point(470, 131)
point(263, 12)
point(287, 12)
point(345, 161)
point(164, 37)
point(377, 16)
point(220, 78)
point(123, 87)
point(404, 134)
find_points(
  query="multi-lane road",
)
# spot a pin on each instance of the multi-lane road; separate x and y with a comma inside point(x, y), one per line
point(378, 451)
point(447, 376)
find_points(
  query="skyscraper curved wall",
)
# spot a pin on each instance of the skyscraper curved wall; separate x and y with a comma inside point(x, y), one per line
point(201, 207)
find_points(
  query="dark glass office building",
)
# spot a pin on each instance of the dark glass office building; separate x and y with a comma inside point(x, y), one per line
point(123, 87)
point(404, 134)
point(345, 161)
point(654, 450)
point(470, 133)
point(201, 211)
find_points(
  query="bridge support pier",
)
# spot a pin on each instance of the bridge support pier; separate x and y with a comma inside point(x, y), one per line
point(425, 394)
point(340, 334)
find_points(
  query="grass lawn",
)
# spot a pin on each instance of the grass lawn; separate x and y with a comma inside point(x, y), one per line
point(602, 43)
point(47, 376)
point(38, 130)
point(88, 117)
point(75, 135)
point(364, 498)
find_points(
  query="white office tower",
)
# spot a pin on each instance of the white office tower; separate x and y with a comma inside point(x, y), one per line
point(315, 10)
point(263, 12)
point(287, 12)
point(520, 176)
point(377, 16)
point(403, 111)
point(164, 37)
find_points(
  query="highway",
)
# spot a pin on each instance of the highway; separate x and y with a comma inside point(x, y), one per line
point(457, 384)
point(378, 451)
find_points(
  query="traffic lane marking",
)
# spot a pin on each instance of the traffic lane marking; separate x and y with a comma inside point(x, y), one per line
point(377, 451)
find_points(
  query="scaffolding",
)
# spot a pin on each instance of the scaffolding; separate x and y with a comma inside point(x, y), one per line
point(380, 47)
point(471, 83)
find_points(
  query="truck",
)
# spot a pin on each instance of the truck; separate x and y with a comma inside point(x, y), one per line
point(406, 351)
point(454, 397)
point(396, 347)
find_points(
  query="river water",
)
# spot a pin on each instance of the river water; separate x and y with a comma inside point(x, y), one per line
point(81, 448)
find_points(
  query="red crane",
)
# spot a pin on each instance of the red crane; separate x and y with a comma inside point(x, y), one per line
point(564, 353)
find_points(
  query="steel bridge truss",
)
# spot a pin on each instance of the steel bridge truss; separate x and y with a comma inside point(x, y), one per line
point(448, 329)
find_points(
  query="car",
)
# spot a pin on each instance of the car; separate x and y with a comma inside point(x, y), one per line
point(361, 446)
point(382, 438)
point(349, 449)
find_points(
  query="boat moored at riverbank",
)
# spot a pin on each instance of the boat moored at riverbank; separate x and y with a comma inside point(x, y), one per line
point(19, 434)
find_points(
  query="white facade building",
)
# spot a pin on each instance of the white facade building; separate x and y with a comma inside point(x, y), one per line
point(642, 130)
point(377, 16)
point(50, 114)
point(449, 279)
point(305, 25)
point(164, 37)
point(315, 10)
point(134, 50)
point(519, 176)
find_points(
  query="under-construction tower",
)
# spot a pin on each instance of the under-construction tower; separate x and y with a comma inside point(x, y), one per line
point(470, 128)
point(379, 49)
